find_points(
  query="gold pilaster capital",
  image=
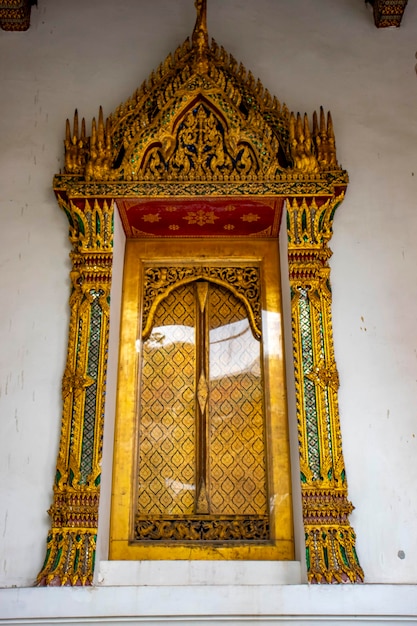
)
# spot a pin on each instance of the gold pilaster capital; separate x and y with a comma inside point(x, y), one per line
point(325, 375)
point(75, 382)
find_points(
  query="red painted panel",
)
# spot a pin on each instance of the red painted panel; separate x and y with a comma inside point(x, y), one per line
point(201, 217)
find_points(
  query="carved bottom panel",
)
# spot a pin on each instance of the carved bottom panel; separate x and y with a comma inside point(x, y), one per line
point(201, 442)
point(199, 528)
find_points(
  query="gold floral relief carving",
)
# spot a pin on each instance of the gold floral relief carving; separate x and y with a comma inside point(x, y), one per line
point(243, 282)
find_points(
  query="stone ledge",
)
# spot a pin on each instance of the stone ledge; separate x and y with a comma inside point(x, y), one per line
point(221, 605)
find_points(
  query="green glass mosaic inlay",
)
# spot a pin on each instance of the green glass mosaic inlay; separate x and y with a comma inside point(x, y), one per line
point(309, 386)
point(87, 449)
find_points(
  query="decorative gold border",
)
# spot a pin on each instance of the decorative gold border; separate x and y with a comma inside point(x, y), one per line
point(330, 541)
point(71, 543)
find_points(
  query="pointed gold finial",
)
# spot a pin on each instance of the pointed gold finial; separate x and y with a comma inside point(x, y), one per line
point(200, 37)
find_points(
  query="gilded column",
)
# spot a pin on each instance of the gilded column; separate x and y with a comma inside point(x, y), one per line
point(330, 540)
point(71, 542)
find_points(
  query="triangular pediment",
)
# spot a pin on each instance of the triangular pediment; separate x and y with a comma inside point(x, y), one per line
point(201, 117)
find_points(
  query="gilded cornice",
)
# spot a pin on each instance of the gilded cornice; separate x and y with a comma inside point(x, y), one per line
point(388, 13)
point(290, 184)
point(15, 14)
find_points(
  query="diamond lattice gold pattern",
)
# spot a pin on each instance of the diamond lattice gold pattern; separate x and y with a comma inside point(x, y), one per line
point(201, 460)
point(236, 441)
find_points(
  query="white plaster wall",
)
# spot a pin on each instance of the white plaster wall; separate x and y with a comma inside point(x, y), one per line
point(85, 53)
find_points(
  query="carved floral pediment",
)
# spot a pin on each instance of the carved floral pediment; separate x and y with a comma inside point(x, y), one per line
point(201, 144)
point(200, 117)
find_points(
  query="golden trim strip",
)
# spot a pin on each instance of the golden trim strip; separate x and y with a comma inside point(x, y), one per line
point(330, 540)
point(74, 512)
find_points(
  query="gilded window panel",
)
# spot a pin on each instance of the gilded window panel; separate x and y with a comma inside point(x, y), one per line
point(215, 477)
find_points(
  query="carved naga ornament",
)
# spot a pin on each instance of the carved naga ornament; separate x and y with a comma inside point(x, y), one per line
point(201, 127)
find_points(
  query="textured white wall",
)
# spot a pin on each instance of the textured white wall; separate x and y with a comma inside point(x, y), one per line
point(83, 54)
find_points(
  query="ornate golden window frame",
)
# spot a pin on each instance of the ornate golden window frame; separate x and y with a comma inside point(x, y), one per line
point(254, 150)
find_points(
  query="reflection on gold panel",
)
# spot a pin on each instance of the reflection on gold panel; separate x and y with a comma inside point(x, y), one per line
point(201, 450)
point(236, 425)
point(166, 433)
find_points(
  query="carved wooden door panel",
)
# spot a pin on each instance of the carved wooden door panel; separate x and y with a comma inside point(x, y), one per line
point(202, 453)
point(201, 463)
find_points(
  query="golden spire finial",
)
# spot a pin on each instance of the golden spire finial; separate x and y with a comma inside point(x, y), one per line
point(200, 37)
